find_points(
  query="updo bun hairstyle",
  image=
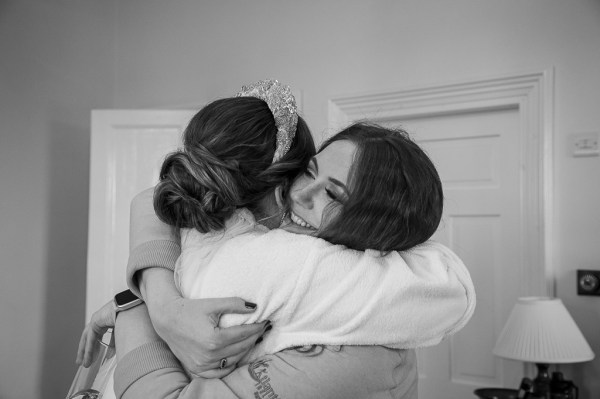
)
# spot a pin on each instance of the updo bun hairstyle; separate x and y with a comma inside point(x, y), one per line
point(226, 163)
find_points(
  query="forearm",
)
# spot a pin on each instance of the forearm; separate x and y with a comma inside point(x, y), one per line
point(133, 328)
point(158, 289)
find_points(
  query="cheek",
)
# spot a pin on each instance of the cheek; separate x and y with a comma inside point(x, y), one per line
point(297, 189)
point(297, 184)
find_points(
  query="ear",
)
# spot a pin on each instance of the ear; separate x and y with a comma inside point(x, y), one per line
point(279, 197)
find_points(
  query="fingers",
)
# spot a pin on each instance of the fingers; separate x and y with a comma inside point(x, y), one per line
point(229, 305)
point(89, 353)
point(101, 320)
point(215, 307)
point(231, 335)
point(241, 347)
point(86, 348)
point(81, 347)
point(246, 337)
point(233, 353)
point(216, 373)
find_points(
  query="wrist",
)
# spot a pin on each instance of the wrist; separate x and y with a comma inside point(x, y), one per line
point(125, 300)
point(163, 311)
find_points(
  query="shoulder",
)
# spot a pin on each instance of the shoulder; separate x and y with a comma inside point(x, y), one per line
point(436, 259)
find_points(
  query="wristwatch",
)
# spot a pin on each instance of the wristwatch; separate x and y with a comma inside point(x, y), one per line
point(126, 300)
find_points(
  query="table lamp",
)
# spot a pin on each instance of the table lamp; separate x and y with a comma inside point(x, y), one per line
point(541, 330)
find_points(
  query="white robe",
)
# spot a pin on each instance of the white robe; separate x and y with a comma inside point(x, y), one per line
point(318, 293)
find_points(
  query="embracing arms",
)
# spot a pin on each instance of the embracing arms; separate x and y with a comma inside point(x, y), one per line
point(147, 369)
point(189, 327)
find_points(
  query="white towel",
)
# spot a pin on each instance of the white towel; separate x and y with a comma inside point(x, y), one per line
point(318, 293)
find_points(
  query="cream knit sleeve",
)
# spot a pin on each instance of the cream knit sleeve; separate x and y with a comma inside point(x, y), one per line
point(152, 243)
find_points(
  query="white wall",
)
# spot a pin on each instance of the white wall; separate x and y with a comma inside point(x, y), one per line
point(56, 64)
point(186, 53)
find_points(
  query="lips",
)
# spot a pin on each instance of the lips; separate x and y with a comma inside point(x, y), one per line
point(299, 221)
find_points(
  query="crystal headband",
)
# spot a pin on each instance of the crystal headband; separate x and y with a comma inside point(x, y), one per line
point(282, 104)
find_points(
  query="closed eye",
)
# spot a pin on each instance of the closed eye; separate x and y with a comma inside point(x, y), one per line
point(309, 173)
point(332, 195)
point(337, 195)
point(312, 169)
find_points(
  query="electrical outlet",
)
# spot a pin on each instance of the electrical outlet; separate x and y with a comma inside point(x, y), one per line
point(588, 282)
point(585, 145)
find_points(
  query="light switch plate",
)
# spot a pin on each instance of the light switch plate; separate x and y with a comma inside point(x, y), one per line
point(585, 145)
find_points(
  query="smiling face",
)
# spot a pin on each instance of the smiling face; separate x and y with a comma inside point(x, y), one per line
point(371, 187)
point(322, 187)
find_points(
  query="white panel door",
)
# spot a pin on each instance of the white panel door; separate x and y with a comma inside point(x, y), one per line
point(477, 155)
point(127, 150)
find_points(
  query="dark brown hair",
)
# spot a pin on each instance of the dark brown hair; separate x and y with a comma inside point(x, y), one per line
point(396, 198)
point(226, 163)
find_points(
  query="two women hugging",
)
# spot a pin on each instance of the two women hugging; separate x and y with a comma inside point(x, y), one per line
point(329, 250)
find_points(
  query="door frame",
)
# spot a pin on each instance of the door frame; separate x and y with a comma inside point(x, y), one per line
point(532, 95)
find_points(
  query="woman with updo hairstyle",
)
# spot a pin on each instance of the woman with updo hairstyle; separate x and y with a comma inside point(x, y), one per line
point(226, 164)
point(334, 301)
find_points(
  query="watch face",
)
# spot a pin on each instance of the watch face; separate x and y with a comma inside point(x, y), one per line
point(125, 297)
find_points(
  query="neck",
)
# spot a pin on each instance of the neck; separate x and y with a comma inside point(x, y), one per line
point(267, 213)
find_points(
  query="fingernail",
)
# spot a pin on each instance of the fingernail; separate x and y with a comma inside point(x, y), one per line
point(250, 305)
point(258, 341)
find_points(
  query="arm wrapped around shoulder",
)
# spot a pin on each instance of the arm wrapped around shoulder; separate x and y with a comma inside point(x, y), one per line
point(196, 190)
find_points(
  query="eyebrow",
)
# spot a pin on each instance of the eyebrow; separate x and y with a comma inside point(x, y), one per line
point(331, 179)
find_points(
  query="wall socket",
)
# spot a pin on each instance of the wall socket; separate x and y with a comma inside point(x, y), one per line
point(588, 282)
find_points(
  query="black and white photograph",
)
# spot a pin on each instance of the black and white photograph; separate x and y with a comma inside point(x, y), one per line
point(336, 199)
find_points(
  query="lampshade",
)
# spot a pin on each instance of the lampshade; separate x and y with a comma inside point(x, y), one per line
point(541, 330)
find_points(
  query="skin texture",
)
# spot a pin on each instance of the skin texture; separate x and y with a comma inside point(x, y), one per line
point(325, 183)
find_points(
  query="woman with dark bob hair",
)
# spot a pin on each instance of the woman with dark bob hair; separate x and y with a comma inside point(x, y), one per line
point(396, 199)
point(319, 305)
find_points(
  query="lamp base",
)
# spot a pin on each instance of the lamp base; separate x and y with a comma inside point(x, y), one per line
point(541, 383)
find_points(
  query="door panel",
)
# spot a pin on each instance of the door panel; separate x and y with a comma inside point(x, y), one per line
point(127, 149)
point(477, 157)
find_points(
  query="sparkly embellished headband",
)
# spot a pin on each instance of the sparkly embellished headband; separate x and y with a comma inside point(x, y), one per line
point(282, 104)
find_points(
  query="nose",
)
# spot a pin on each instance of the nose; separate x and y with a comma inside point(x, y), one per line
point(303, 194)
